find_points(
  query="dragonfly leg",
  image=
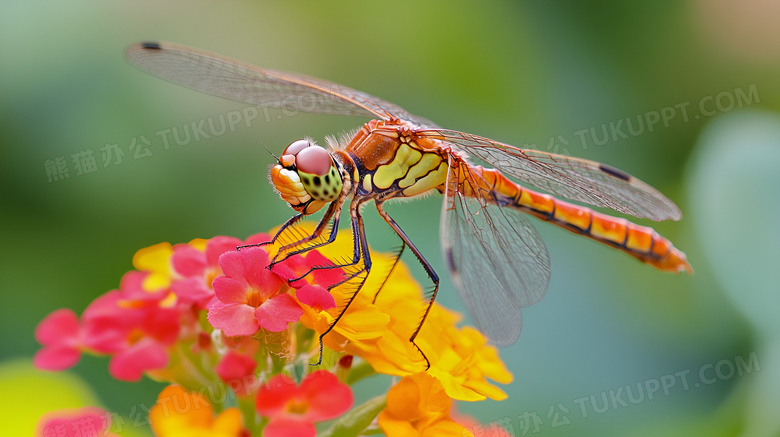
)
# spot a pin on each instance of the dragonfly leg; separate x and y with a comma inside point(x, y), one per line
point(291, 221)
point(333, 212)
point(428, 269)
point(355, 260)
point(361, 252)
point(390, 272)
point(396, 258)
point(342, 264)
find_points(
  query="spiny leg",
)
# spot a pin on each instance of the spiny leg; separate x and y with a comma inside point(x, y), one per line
point(390, 272)
point(361, 248)
point(291, 221)
point(355, 260)
point(333, 212)
point(289, 250)
point(428, 269)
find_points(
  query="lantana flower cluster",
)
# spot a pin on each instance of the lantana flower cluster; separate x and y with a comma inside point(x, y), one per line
point(202, 315)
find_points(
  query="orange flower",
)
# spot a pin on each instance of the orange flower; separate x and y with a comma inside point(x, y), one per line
point(419, 406)
point(179, 413)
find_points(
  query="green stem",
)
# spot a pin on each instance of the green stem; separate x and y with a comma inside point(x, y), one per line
point(252, 422)
point(357, 420)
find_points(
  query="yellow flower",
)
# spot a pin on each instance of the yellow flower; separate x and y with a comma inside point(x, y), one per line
point(179, 413)
point(460, 358)
point(419, 406)
point(155, 260)
point(379, 332)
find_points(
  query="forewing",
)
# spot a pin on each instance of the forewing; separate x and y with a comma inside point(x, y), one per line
point(496, 259)
point(573, 178)
point(220, 76)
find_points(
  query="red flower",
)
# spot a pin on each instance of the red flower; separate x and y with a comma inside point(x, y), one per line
point(294, 409)
point(233, 368)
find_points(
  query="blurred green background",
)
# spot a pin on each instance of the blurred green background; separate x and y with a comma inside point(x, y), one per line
point(520, 72)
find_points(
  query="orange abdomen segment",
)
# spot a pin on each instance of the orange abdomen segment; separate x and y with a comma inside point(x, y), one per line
point(641, 242)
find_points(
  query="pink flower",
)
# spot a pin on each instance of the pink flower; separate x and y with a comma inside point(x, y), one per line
point(250, 296)
point(315, 295)
point(297, 266)
point(85, 422)
point(133, 326)
point(60, 335)
point(294, 409)
point(198, 268)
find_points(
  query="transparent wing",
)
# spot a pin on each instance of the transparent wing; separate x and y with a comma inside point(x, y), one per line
point(496, 259)
point(223, 77)
point(573, 178)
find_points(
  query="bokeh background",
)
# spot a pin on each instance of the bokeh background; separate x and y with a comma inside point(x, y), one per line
point(526, 73)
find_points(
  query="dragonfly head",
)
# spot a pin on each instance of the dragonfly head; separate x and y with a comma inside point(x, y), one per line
point(306, 176)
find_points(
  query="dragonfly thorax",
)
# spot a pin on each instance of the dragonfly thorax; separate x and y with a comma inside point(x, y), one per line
point(306, 176)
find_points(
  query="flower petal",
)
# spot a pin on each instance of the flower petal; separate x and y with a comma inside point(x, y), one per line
point(179, 412)
point(418, 405)
point(258, 238)
point(232, 263)
point(155, 260)
point(61, 326)
point(192, 290)
point(257, 273)
point(315, 297)
point(233, 319)
point(275, 313)
point(288, 273)
point(131, 363)
point(56, 358)
point(323, 277)
point(286, 427)
point(105, 305)
point(229, 290)
point(219, 245)
point(163, 325)
point(233, 368)
point(273, 396)
point(228, 423)
point(87, 421)
point(327, 397)
point(188, 261)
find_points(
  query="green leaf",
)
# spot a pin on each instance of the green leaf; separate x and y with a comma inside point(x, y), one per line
point(356, 421)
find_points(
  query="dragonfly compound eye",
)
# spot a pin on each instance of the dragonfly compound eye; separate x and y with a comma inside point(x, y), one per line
point(318, 173)
point(297, 146)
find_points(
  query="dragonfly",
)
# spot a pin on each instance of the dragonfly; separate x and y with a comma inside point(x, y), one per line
point(494, 255)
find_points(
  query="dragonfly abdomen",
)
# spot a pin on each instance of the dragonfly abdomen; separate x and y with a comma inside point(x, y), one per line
point(641, 242)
